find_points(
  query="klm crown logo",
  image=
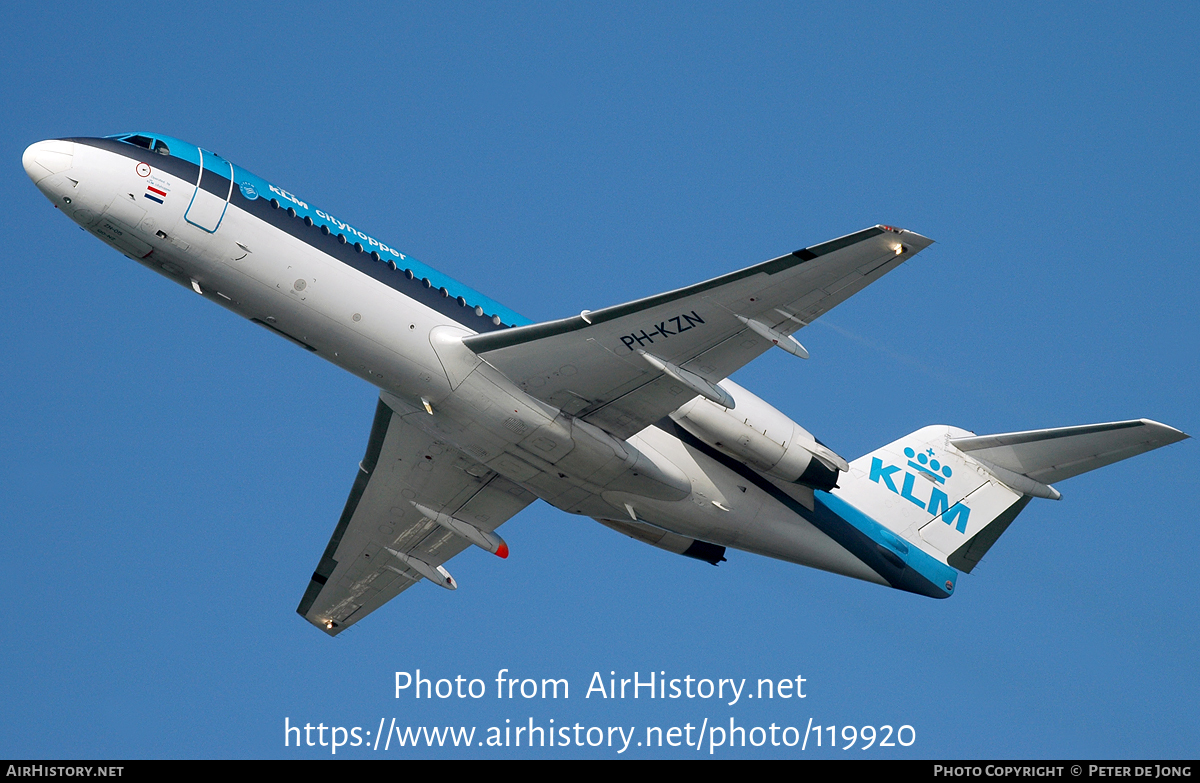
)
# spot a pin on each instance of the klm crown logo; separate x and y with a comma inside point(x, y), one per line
point(928, 465)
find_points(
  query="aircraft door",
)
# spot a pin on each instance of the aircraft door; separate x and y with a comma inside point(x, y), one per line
point(207, 209)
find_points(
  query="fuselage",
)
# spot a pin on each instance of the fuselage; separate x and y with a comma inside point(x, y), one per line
point(274, 258)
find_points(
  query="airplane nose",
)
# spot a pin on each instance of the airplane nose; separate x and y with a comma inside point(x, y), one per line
point(44, 158)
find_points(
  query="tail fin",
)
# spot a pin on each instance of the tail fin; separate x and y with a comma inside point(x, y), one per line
point(952, 493)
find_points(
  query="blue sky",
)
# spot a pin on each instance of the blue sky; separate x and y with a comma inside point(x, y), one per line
point(172, 473)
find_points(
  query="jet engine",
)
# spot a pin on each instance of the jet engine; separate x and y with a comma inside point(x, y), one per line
point(758, 435)
point(664, 539)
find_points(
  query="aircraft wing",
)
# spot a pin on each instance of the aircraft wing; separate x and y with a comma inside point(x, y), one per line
point(625, 367)
point(403, 465)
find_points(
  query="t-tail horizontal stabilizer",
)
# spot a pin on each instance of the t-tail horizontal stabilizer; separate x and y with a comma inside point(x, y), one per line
point(1052, 455)
point(953, 493)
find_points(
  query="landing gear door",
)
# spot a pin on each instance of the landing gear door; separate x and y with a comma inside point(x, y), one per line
point(208, 207)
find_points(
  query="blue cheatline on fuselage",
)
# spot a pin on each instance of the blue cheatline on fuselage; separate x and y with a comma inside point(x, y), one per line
point(903, 566)
point(249, 188)
point(922, 572)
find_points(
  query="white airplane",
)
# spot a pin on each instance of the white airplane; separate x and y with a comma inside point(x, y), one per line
point(625, 414)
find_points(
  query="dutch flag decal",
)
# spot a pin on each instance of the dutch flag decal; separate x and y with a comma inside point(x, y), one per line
point(154, 194)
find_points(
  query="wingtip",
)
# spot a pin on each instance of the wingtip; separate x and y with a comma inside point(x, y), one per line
point(912, 240)
point(1169, 434)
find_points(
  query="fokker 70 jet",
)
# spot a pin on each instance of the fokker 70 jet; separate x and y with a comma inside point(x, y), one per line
point(625, 414)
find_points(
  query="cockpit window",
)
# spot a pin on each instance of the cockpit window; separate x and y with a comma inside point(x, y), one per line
point(148, 143)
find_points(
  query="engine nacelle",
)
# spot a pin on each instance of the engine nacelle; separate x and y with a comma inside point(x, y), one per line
point(664, 539)
point(760, 436)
